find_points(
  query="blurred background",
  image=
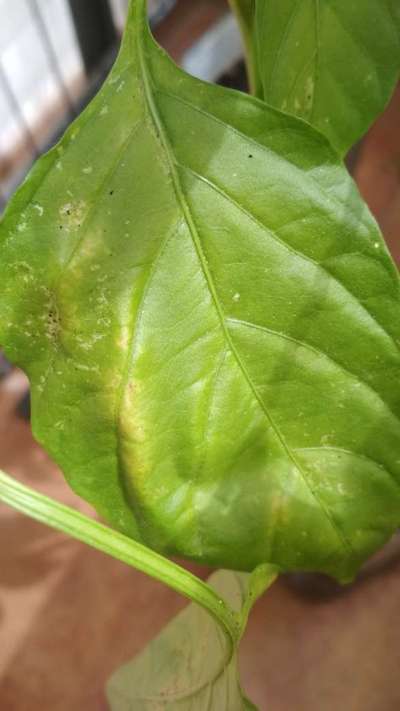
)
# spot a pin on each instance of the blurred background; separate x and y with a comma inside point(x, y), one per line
point(69, 616)
point(55, 53)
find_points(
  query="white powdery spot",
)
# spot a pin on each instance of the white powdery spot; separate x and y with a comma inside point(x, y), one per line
point(65, 209)
point(104, 110)
point(102, 299)
point(39, 208)
point(87, 368)
point(327, 440)
point(236, 297)
point(87, 170)
point(82, 343)
point(72, 214)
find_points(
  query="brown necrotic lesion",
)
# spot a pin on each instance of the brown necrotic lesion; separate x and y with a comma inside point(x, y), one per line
point(53, 323)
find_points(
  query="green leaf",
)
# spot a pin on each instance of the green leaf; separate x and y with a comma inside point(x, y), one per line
point(245, 13)
point(210, 322)
point(189, 665)
point(333, 63)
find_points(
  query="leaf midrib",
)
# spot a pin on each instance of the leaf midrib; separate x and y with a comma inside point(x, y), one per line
point(182, 202)
point(334, 200)
point(290, 249)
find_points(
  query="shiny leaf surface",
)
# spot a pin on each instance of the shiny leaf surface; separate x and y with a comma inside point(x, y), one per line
point(210, 322)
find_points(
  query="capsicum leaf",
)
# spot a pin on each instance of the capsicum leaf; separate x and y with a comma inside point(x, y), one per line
point(245, 13)
point(189, 666)
point(333, 63)
point(210, 321)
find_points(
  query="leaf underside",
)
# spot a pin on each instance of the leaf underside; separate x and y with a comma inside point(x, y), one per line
point(333, 63)
point(210, 323)
point(186, 667)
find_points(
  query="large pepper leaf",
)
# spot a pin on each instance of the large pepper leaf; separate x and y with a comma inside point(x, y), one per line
point(210, 322)
point(334, 63)
point(190, 665)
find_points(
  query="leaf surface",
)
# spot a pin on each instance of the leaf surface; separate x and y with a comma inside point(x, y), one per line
point(210, 322)
point(333, 63)
point(189, 665)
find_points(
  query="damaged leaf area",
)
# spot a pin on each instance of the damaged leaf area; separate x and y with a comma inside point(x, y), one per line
point(210, 322)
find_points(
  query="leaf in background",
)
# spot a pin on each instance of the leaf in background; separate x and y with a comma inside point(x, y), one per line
point(210, 322)
point(333, 63)
point(189, 666)
point(245, 13)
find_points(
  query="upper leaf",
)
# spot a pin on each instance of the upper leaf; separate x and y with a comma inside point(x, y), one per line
point(210, 321)
point(333, 63)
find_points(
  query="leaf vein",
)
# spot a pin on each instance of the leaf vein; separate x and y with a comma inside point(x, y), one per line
point(183, 203)
point(317, 352)
point(289, 248)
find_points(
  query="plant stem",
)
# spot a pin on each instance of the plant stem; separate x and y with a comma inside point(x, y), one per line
point(115, 544)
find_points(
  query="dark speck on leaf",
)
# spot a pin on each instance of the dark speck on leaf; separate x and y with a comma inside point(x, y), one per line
point(250, 155)
point(111, 192)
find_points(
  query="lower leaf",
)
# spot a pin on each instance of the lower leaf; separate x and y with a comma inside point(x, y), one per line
point(189, 665)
